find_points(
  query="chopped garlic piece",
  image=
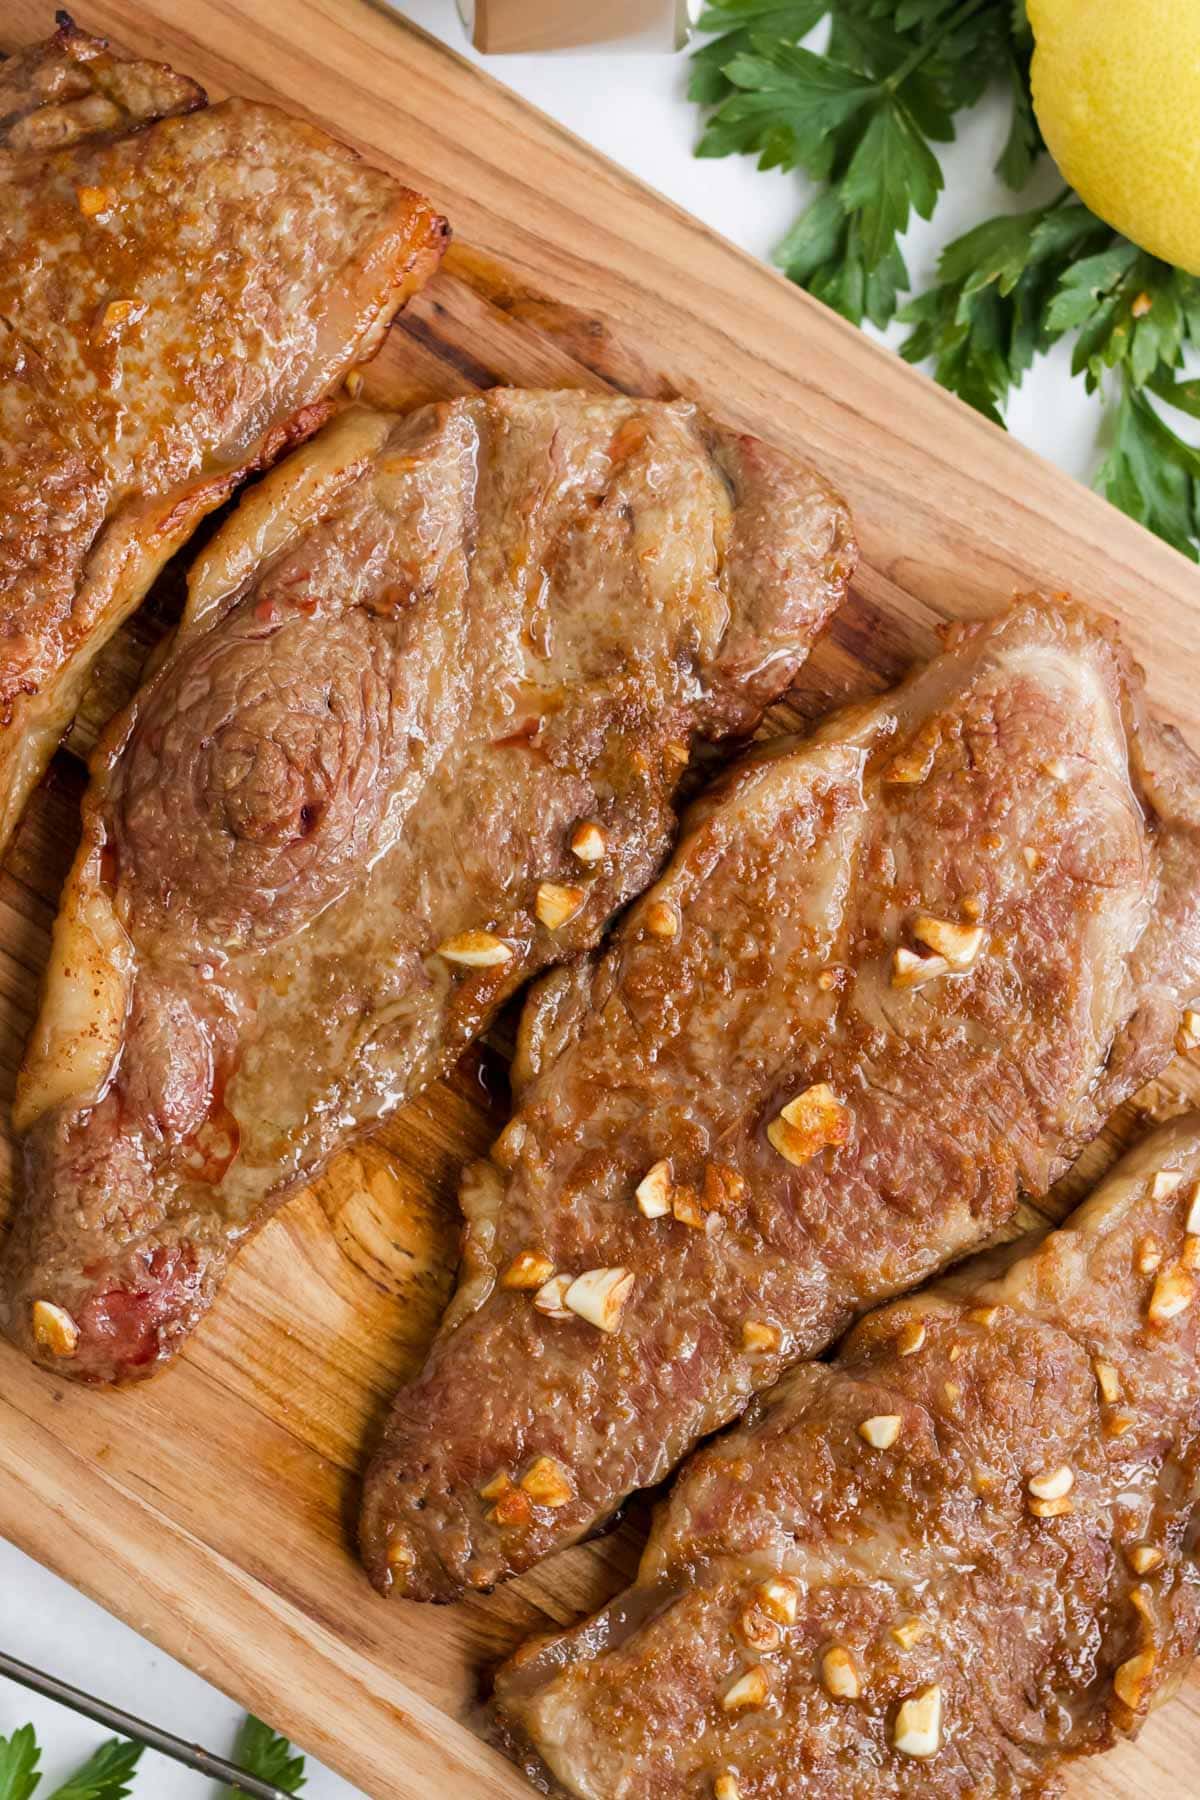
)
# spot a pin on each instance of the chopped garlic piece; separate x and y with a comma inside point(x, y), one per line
point(1192, 1223)
point(476, 950)
point(547, 1483)
point(777, 1596)
point(54, 1329)
point(1132, 1680)
point(557, 905)
point(1054, 1485)
point(662, 921)
point(910, 970)
point(815, 1120)
point(882, 1431)
point(588, 843)
point(653, 1191)
point(1107, 1380)
point(1173, 1293)
point(750, 1689)
point(959, 944)
point(599, 1296)
point(528, 1269)
point(918, 1728)
point(840, 1674)
point(1147, 1254)
point(551, 1299)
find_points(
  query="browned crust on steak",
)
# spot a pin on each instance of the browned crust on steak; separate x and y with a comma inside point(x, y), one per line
point(1048, 1626)
point(1014, 794)
point(182, 287)
point(419, 658)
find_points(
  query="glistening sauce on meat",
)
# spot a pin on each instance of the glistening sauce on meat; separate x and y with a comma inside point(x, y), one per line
point(891, 976)
point(182, 285)
point(322, 847)
point(962, 1554)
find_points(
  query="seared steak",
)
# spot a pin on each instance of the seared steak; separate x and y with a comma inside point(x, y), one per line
point(891, 976)
point(417, 738)
point(180, 286)
point(960, 1556)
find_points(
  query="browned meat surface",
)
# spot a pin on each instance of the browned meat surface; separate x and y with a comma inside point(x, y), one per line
point(961, 1555)
point(180, 287)
point(417, 738)
point(775, 1099)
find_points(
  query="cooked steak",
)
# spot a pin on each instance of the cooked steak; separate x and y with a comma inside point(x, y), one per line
point(960, 1556)
point(180, 287)
point(417, 738)
point(892, 975)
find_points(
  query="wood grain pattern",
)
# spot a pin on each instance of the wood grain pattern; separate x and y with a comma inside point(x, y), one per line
point(213, 1508)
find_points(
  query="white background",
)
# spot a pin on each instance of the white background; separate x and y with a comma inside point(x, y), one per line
point(633, 107)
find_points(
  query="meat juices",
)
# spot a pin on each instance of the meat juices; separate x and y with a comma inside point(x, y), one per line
point(892, 975)
point(180, 288)
point(960, 1556)
point(418, 736)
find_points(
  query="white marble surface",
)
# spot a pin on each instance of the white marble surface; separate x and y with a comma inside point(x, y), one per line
point(633, 107)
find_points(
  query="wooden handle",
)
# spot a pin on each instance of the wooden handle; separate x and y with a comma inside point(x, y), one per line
point(500, 26)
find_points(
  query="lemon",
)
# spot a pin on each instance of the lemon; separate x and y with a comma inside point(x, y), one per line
point(1116, 87)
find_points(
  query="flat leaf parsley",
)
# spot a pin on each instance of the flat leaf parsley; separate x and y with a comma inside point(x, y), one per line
point(864, 121)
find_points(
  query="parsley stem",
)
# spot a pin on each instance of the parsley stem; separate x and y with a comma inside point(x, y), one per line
point(922, 50)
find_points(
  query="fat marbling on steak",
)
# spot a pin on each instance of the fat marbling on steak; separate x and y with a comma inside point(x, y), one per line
point(417, 738)
point(181, 285)
point(892, 975)
point(960, 1556)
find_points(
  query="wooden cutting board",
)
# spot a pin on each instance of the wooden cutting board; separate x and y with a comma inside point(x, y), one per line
point(213, 1508)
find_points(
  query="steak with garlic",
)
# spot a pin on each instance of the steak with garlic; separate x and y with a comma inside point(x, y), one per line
point(418, 736)
point(945, 1565)
point(181, 286)
point(893, 975)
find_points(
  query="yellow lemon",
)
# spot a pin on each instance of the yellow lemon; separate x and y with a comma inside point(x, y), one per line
point(1116, 86)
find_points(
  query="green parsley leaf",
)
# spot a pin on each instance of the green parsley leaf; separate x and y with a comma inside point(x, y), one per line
point(1129, 308)
point(862, 121)
point(892, 172)
point(787, 105)
point(19, 1757)
point(988, 317)
point(262, 1752)
point(1152, 475)
point(736, 20)
point(861, 118)
point(106, 1775)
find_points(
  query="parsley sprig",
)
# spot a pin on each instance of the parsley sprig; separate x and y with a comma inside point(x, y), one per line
point(1014, 286)
point(864, 120)
point(108, 1773)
